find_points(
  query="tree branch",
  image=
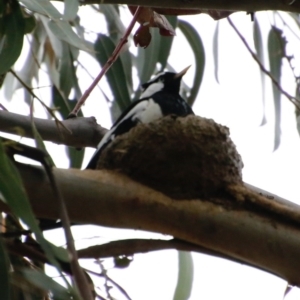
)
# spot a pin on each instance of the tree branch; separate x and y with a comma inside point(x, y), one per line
point(77, 132)
point(229, 226)
point(234, 5)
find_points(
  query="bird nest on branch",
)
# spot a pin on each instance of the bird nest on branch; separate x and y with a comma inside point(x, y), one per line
point(184, 158)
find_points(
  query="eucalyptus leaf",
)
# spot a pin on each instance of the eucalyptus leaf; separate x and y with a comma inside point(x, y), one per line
point(297, 111)
point(63, 31)
point(40, 143)
point(216, 51)
point(116, 77)
point(258, 43)
point(65, 70)
point(71, 9)
point(75, 156)
point(116, 31)
point(30, 68)
point(276, 49)
point(185, 276)
point(14, 195)
point(46, 283)
point(30, 24)
point(43, 7)
point(195, 41)
point(166, 44)
point(11, 40)
point(5, 287)
point(148, 58)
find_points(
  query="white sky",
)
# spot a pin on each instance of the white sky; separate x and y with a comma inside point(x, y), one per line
point(235, 103)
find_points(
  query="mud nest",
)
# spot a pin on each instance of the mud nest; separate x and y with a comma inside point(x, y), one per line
point(184, 158)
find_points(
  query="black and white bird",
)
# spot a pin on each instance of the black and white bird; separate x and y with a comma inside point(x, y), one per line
point(160, 97)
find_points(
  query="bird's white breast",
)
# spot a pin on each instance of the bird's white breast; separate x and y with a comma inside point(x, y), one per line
point(151, 112)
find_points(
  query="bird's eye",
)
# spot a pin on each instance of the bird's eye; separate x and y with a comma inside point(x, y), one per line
point(162, 79)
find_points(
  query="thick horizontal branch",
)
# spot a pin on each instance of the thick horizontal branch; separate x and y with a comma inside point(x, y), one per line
point(76, 132)
point(234, 5)
point(260, 238)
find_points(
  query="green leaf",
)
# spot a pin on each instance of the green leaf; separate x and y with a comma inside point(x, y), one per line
point(116, 31)
point(194, 39)
point(12, 189)
point(46, 283)
point(115, 26)
point(63, 31)
point(148, 58)
point(185, 276)
point(166, 44)
point(276, 49)
point(116, 77)
point(43, 7)
point(71, 9)
point(216, 51)
point(297, 112)
point(258, 43)
point(30, 24)
point(4, 273)
point(66, 69)
point(11, 40)
point(76, 157)
point(65, 106)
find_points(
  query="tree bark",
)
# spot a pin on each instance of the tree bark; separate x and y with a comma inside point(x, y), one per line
point(266, 239)
point(76, 132)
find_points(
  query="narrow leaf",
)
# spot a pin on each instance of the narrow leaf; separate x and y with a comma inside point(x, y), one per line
point(65, 70)
point(43, 7)
point(44, 282)
point(71, 9)
point(116, 77)
point(65, 106)
point(11, 40)
point(116, 31)
point(63, 31)
point(147, 58)
point(185, 276)
point(258, 43)
point(4, 273)
point(76, 157)
point(195, 41)
point(30, 24)
point(276, 48)
point(216, 51)
point(14, 195)
point(297, 111)
point(40, 143)
point(166, 44)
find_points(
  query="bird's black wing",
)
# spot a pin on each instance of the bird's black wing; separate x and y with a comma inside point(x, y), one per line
point(172, 104)
point(123, 124)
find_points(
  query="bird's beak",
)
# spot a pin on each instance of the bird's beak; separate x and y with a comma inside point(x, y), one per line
point(180, 74)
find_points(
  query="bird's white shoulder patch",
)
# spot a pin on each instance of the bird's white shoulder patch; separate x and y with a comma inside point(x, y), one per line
point(145, 111)
point(152, 89)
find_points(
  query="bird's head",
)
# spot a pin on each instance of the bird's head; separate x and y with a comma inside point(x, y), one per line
point(166, 81)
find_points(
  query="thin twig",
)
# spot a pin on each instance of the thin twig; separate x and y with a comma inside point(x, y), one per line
point(294, 100)
point(108, 279)
point(107, 65)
